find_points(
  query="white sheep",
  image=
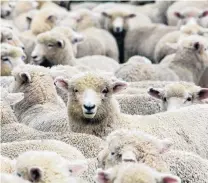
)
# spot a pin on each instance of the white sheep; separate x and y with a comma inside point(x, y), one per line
point(47, 167)
point(41, 107)
point(6, 9)
point(93, 109)
point(11, 56)
point(185, 65)
point(61, 52)
point(9, 178)
point(14, 149)
point(179, 94)
point(132, 172)
point(137, 147)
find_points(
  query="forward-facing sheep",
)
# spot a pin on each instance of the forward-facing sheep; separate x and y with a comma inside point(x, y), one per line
point(93, 109)
point(54, 48)
point(11, 56)
point(179, 94)
point(188, 64)
point(41, 107)
point(137, 147)
point(14, 149)
point(7, 8)
point(132, 172)
point(47, 167)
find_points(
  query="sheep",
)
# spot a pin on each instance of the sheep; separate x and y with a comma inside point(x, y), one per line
point(137, 147)
point(7, 8)
point(41, 107)
point(46, 19)
point(119, 20)
point(180, 5)
point(8, 99)
point(14, 149)
point(47, 167)
point(131, 173)
point(188, 64)
point(7, 165)
point(9, 178)
point(179, 94)
point(61, 52)
point(101, 114)
point(145, 44)
point(9, 36)
point(11, 57)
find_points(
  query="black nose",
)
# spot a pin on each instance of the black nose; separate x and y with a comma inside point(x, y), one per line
point(89, 108)
point(117, 29)
point(34, 57)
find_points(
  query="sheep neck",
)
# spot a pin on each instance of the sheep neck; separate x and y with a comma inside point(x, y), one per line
point(186, 62)
point(39, 92)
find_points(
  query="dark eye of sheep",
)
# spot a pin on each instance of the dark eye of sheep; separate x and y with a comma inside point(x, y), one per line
point(4, 59)
point(119, 155)
point(112, 153)
point(189, 99)
point(18, 174)
point(50, 45)
point(105, 90)
point(75, 90)
point(164, 99)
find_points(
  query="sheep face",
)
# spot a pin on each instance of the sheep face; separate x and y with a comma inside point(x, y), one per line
point(131, 146)
point(131, 173)
point(7, 8)
point(90, 95)
point(190, 15)
point(46, 167)
point(11, 57)
point(8, 36)
point(117, 21)
point(50, 46)
point(177, 95)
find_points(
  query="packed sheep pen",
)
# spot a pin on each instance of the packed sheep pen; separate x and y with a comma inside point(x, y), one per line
point(104, 91)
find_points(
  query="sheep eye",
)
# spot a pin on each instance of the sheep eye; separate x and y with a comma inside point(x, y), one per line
point(19, 175)
point(9, 38)
point(75, 90)
point(188, 99)
point(4, 59)
point(164, 99)
point(112, 153)
point(50, 45)
point(119, 155)
point(105, 90)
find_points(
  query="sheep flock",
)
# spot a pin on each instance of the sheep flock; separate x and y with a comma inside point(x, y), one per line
point(104, 91)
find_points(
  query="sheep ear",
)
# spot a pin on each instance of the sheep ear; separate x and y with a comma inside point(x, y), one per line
point(52, 18)
point(119, 86)
point(203, 14)
point(168, 178)
point(25, 77)
point(77, 167)
point(179, 15)
point(132, 15)
point(203, 94)
point(35, 174)
point(165, 145)
point(172, 45)
point(106, 15)
point(62, 83)
point(14, 98)
point(61, 43)
point(155, 93)
point(102, 176)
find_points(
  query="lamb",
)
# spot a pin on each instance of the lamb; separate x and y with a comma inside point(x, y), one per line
point(41, 107)
point(188, 64)
point(7, 165)
point(9, 178)
point(119, 20)
point(93, 109)
point(179, 94)
point(14, 149)
point(8, 35)
point(7, 8)
point(131, 173)
point(11, 57)
point(61, 52)
point(180, 5)
point(145, 44)
point(47, 167)
point(137, 147)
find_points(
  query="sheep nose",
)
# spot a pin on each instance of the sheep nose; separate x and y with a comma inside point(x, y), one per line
point(118, 29)
point(89, 108)
point(23, 48)
point(35, 56)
